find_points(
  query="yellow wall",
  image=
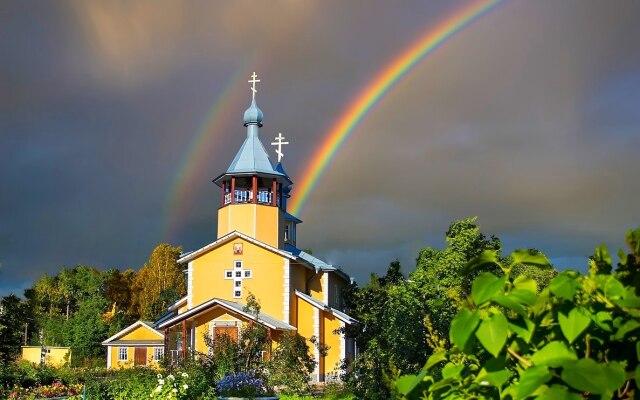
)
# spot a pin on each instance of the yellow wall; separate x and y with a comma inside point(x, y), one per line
point(265, 223)
point(332, 360)
point(130, 357)
point(56, 356)
point(265, 284)
point(141, 333)
point(315, 287)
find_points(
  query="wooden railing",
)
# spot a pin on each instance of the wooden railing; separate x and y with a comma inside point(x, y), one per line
point(242, 196)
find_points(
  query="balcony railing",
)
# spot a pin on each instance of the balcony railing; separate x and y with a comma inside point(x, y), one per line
point(246, 196)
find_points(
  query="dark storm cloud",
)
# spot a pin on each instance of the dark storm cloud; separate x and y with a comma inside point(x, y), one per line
point(526, 118)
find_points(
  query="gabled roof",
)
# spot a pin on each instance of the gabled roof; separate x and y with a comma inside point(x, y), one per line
point(264, 319)
point(146, 324)
point(322, 306)
point(228, 237)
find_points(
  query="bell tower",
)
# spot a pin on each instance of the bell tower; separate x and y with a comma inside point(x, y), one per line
point(254, 190)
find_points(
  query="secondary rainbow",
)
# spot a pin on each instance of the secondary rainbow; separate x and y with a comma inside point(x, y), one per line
point(377, 88)
point(196, 154)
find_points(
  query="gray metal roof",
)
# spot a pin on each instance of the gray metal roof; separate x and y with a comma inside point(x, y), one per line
point(263, 318)
point(317, 303)
point(252, 157)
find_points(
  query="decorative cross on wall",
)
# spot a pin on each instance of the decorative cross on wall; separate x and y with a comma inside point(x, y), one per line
point(279, 143)
point(238, 274)
point(253, 82)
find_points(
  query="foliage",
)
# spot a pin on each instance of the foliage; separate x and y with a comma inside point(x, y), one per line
point(242, 384)
point(159, 282)
point(392, 310)
point(291, 364)
point(172, 387)
point(577, 338)
point(56, 389)
point(15, 314)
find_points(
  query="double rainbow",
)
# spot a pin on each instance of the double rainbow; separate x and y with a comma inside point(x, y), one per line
point(377, 88)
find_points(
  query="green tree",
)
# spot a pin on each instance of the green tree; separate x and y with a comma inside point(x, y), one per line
point(291, 364)
point(159, 282)
point(14, 314)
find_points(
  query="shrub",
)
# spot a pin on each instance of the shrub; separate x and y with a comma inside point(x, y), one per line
point(291, 364)
point(578, 338)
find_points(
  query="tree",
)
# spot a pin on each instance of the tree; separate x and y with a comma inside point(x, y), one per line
point(159, 282)
point(291, 364)
point(14, 314)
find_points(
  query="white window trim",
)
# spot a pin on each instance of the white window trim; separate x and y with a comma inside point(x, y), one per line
point(158, 353)
point(126, 354)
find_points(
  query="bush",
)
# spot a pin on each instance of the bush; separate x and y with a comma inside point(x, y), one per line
point(576, 339)
point(290, 365)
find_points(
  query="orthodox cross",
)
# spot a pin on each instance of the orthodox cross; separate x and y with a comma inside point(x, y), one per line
point(279, 143)
point(253, 82)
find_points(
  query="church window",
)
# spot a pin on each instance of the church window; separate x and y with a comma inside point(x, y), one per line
point(238, 264)
point(286, 232)
point(237, 294)
point(122, 354)
point(247, 274)
point(228, 274)
point(238, 274)
point(238, 283)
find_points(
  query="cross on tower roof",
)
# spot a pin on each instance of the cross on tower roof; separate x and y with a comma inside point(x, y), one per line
point(279, 143)
point(253, 82)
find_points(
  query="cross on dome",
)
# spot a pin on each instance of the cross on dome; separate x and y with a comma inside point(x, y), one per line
point(279, 143)
point(253, 82)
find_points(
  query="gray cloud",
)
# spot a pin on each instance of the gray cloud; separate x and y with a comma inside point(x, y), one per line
point(526, 118)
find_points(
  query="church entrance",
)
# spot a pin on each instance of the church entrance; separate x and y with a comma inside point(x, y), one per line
point(140, 356)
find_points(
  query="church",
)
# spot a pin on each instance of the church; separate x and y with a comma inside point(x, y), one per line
point(256, 253)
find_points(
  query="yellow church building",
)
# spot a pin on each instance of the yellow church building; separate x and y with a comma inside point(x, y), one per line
point(255, 252)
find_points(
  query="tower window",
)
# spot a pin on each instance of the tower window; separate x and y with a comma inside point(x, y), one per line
point(237, 294)
point(238, 274)
point(238, 264)
point(238, 283)
point(228, 274)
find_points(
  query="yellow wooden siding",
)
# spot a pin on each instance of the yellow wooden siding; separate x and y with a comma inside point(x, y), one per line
point(266, 276)
point(332, 359)
point(55, 356)
point(315, 287)
point(128, 363)
point(264, 223)
point(141, 333)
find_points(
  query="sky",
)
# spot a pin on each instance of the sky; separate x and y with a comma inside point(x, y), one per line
point(116, 115)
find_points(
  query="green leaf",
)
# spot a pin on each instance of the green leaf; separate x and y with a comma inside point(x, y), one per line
point(530, 257)
point(585, 375)
point(629, 326)
point(485, 286)
point(553, 354)
point(435, 358)
point(564, 286)
point(486, 257)
point(523, 328)
point(531, 379)
point(559, 392)
point(492, 333)
point(603, 320)
point(526, 283)
point(452, 371)
point(510, 303)
point(638, 356)
point(615, 375)
point(495, 378)
point(636, 375)
point(407, 383)
point(574, 323)
point(463, 326)
point(524, 296)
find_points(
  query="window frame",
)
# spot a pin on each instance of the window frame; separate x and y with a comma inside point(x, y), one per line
point(126, 354)
point(158, 353)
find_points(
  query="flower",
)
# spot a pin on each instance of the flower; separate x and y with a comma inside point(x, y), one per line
point(159, 389)
point(161, 381)
point(185, 387)
point(184, 375)
point(171, 377)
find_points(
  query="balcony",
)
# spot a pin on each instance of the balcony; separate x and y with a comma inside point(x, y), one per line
point(243, 196)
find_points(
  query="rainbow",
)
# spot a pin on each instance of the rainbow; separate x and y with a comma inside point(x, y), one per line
point(196, 153)
point(378, 87)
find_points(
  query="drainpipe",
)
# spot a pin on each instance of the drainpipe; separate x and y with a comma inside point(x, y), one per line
point(307, 290)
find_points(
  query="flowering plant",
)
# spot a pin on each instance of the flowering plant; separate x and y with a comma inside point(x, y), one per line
point(171, 386)
point(242, 384)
